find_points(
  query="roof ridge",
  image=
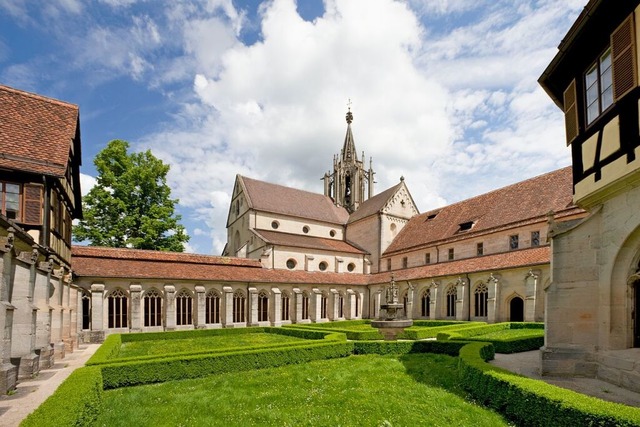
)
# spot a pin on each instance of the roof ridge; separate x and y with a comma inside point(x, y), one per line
point(39, 97)
point(284, 186)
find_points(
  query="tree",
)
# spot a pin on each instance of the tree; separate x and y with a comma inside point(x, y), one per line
point(130, 205)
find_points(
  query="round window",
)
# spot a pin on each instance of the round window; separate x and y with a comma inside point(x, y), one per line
point(275, 225)
point(351, 266)
point(291, 263)
point(305, 229)
point(323, 266)
point(332, 233)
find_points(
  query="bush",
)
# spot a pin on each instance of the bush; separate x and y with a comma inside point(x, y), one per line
point(451, 348)
point(110, 349)
point(424, 329)
point(372, 334)
point(530, 402)
point(177, 368)
point(505, 345)
point(77, 402)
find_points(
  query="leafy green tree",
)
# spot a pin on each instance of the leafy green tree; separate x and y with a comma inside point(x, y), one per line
point(130, 206)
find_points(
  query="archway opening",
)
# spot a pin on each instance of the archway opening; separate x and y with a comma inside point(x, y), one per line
point(636, 314)
point(516, 310)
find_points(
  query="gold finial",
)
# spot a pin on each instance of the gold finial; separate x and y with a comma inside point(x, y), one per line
point(349, 114)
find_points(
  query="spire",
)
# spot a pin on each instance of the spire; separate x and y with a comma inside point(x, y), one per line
point(349, 149)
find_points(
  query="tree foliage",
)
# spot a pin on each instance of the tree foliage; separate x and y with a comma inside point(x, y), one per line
point(130, 205)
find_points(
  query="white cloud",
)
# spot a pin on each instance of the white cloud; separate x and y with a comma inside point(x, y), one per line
point(86, 183)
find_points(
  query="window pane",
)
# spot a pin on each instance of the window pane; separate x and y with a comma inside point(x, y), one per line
point(591, 77)
point(606, 79)
point(592, 94)
point(605, 60)
point(592, 112)
point(607, 98)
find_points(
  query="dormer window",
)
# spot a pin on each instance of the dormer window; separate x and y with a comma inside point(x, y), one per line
point(465, 226)
point(432, 216)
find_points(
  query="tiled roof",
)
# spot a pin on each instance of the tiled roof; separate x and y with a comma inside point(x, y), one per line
point(512, 205)
point(310, 242)
point(36, 133)
point(375, 204)
point(267, 197)
point(495, 262)
point(137, 265)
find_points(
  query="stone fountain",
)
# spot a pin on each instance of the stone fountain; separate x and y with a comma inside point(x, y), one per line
point(392, 319)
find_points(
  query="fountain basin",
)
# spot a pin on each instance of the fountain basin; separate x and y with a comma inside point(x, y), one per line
point(390, 329)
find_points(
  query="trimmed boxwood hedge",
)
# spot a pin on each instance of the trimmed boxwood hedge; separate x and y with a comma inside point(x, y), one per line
point(182, 367)
point(504, 346)
point(452, 348)
point(430, 329)
point(532, 402)
point(373, 334)
point(77, 402)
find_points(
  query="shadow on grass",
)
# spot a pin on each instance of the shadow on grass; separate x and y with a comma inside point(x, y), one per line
point(434, 370)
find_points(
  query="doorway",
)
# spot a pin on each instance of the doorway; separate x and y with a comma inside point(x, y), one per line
point(516, 310)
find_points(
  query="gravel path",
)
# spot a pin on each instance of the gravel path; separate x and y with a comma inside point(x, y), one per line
point(31, 393)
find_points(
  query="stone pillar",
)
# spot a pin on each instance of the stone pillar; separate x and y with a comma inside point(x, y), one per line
point(350, 305)
point(43, 316)
point(435, 303)
point(97, 313)
point(252, 299)
point(531, 290)
point(377, 296)
point(462, 299)
point(201, 307)
point(333, 311)
point(8, 372)
point(73, 316)
point(493, 298)
point(135, 301)
point(314, 305)
point(57, 314)
point(170, 307)
point(410, 297)
point(296, 300)
point(227, 307)
point(66, 317)
point(79, 315)
point(275, 308)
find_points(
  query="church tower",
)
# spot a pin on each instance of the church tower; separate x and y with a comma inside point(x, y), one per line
point(347, 183)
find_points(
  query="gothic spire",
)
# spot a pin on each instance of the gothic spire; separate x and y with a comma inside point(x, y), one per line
point(349, 149)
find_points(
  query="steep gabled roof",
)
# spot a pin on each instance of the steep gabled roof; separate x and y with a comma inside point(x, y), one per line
point(375, 204)
point(511, 205)
point(308, 242)
point(36, 132)
point(273, 198)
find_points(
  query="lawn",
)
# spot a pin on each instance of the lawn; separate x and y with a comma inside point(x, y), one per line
point(372, 390)
point(218, 342)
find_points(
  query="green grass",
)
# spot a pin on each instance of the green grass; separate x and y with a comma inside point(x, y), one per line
point(372, 390)
point(511, 333)
point(163, 347)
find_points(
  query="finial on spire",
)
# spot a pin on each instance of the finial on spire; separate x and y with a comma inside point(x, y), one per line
point(349, 114)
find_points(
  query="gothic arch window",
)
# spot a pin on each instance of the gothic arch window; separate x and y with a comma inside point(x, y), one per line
point(212, 307)
point(305, 306)
point(184, 308)
point(480, 299)
point(284, 305)
point(263, 306)
point(152, 308)
point(239, 304)
point(117, 306)
point(450, 295)
point(323, 306)
point(86, 310)
point(425, 303)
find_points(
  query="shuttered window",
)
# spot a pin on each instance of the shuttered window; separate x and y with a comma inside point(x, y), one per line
point(623, 52)
point(570, 112)
point(598, 83)
point(33, 204)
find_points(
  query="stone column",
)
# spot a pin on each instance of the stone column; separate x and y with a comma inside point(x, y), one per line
point(296, 300)
point(462, 299)
point(435, 303)
point(8, 372)
point(79, 315)
point(252, 299)
point(201, 304)
point(410, 297)
point(314, 305)
point(66, 317)
point(493, 298)
point(73, 315)
point(170, 307)
point(135, 294)
point(334, 310)
point(275, 308)
point(377, 296)
point(97, 307)
point(227, 307)
point(350, 305)
point(531, 289)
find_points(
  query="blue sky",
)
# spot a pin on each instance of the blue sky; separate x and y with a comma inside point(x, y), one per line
point(443, 92)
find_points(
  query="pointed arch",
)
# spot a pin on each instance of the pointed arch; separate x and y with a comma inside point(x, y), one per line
point(239, 306)
point(152, 308)
point(480, 300)
point(184, 307)
point(212, 307)
point(263, 306)
point(425, 303)
point(117, 308)
point(451, 295)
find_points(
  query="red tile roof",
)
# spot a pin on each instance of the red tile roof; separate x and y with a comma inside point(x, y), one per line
point(267, 197)
point(516, 204)
point(36, 132)
point(96, 262)
point(310, 242)
point(495, 262)
point(375, 204)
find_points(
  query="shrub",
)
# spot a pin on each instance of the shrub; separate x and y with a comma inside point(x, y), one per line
point(535, 403)
point(77, 402)
point(372, 334)
point(401, 347)
point(176, 368)
point(430, 328)
point(516, 344)
point(110, 349)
